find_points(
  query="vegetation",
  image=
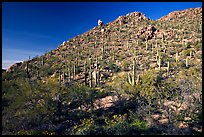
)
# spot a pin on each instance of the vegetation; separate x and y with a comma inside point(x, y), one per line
point(112, 82)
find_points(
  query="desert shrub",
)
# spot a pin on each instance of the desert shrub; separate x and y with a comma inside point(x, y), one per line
point(188, 45)
point(125, 64)
point(84, 128)
point(139, 125)
point(172, 52)
point(35, 132)
point(198, 45)
point(148, 87)
point(114, 67)
point(187, 52)
point(117, 125)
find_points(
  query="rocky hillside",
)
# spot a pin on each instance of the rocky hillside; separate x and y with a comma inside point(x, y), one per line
point(132, 58)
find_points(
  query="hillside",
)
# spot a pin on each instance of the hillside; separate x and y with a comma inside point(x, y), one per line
point(130, 76)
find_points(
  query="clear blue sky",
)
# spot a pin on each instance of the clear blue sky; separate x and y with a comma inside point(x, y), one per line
point(32, 28)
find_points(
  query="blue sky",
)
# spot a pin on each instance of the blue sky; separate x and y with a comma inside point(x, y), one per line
point(33, 28)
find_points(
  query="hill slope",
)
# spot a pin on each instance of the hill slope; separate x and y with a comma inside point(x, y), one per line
point(132, 58)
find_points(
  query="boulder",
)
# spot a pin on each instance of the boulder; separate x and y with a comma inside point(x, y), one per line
point(100, 22)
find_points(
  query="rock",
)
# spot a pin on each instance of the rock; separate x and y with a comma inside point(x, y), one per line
point(105, 102)
point(187, 118)
point(173, 108)
point(147, 32)
point(183, 125)
point(121, 20)
point(100, 23)
point(153, 65)
point(155, 116)
point(183, 107)
point(149, 121)
point(177, 14)
point(164, 121)
point(198, 129)
point(168, 103)
point(11, 68)
point(102, 30)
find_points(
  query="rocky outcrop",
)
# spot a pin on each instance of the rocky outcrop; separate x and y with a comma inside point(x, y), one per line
point(147, 32)
point(192, 13)
point(105, 102)
point(11, 68)
point(138, 15)
point(100, 22)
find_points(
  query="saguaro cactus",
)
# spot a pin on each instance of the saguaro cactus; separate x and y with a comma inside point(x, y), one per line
point(187, 62)
point(156, 45)
point(159, 63)
point(168, 67)
point(60, 77)
point(85, 73)
point(95, 76)
point(90, 77)
point(63, 77)
point(165, 49)
point(90, 73)
point(69, 72)
point(162, 37)
point(38, 73)
point(176, 57)
point(157, 54)
point(131, 78)
point(190, 54)
point(96, 63)
point(42, 61)
point(74, 70)
point(138, 79)
point(146, 45)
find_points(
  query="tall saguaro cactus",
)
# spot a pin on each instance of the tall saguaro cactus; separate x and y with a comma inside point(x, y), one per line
point(168, 67)
point(90, 77)
point(176, 57)
point(156, 44)
point(69, 72)
point(131, 78)
point(97, 74)
point(60, 77)
point(42, 61)
point(157, 55)
point(38, 74)
point(96, 63)
point(74, 70)
point(152, 48)
point(90, 73)
point(187, 62)
point(190, 54)
point(163, 37)
point(85, 73)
